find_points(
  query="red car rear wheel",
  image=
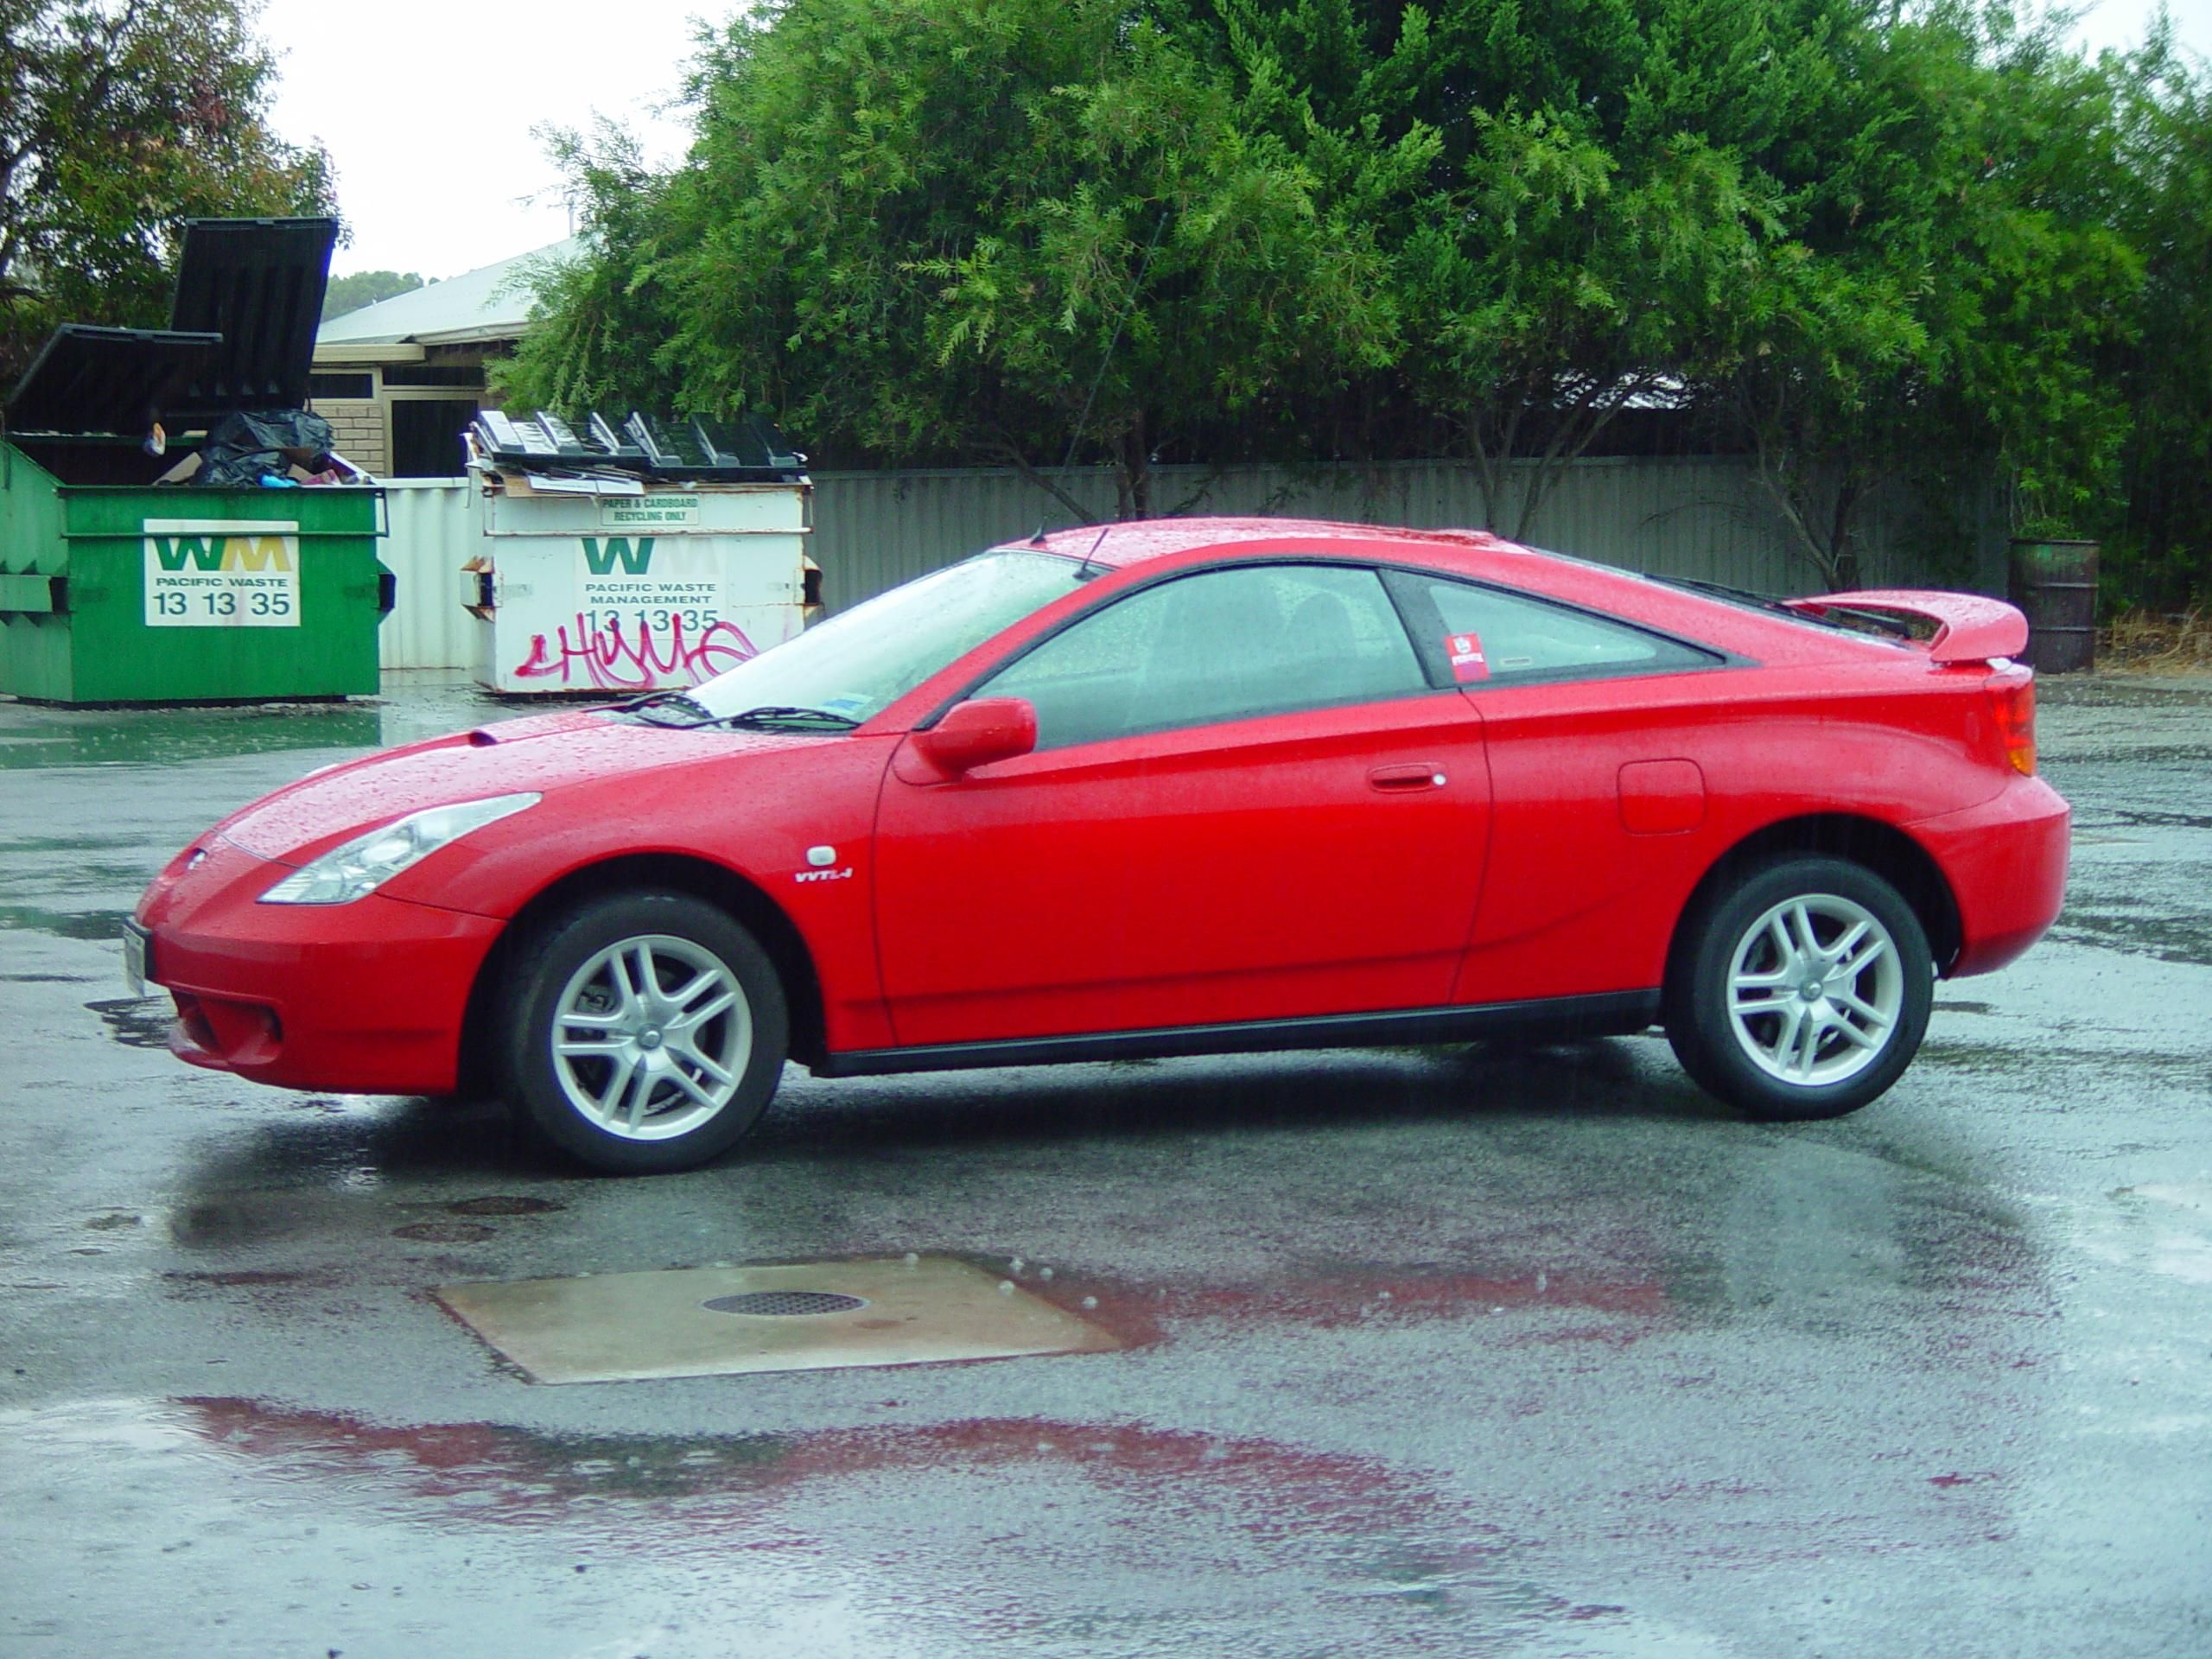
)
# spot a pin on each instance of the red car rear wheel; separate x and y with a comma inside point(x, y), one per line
point(1804, 990)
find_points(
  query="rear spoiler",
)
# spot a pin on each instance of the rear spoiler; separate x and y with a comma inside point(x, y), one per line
point(1968, 627)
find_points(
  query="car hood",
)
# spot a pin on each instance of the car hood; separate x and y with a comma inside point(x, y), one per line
point(542, 754)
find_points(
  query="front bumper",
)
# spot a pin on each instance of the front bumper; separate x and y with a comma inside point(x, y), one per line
point(366, 998)
point(2006, 860)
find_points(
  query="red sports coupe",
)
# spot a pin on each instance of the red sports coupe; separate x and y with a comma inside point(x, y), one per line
point(1173, 787)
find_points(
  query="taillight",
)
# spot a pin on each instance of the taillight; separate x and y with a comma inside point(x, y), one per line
point(2014, 706)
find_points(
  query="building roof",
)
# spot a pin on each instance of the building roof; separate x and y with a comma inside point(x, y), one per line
point(489, 303)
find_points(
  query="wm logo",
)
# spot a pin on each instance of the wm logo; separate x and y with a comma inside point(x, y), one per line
point(222, 552)
point(601, 556)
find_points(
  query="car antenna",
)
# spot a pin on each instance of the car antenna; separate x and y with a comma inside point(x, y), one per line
point(1038, 540)
point(1083, 572)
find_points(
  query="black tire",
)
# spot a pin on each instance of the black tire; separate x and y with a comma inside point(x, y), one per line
point(1786, 1051)
point(584, 971)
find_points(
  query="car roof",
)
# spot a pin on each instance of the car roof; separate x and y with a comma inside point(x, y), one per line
point(1119, 545)
point(1476, 554)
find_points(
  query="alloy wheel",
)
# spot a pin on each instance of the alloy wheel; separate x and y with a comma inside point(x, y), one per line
point(1816, 989)
point(651, 1036)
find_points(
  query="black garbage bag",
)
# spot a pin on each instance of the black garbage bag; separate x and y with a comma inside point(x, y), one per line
point(243, 447)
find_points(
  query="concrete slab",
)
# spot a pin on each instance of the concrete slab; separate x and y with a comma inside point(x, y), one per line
point(620, 1327)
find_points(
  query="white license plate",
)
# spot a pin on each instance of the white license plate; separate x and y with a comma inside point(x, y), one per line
point(134, 958)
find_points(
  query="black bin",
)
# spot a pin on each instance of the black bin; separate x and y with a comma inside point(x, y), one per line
point(2055, 585)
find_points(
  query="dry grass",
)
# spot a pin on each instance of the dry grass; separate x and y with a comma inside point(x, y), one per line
point(2141, 643)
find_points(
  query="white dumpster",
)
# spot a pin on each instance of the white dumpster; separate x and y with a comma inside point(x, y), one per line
point(611, 586)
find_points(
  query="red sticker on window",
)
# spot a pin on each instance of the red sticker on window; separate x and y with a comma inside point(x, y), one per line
point(1465, 650)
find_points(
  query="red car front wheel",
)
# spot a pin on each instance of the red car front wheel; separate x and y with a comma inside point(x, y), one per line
point(645, 1032)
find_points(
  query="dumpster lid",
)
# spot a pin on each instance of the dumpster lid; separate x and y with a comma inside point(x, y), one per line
point(749, 450)
point(259, 283)
point(745, 446)
point(88, 379)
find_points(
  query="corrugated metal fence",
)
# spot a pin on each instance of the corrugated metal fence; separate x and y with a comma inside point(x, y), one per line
point(1678, 516)
point(435, 530)
point(1689, 517)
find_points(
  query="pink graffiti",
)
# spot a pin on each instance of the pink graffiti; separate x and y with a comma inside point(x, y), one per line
point(614, 659)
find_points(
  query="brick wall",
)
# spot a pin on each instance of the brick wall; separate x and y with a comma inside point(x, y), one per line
point(357, 429)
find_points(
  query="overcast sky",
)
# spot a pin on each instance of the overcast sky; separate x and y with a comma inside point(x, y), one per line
point(427, 107)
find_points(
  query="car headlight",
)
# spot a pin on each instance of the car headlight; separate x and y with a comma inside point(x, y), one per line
point(366, 862)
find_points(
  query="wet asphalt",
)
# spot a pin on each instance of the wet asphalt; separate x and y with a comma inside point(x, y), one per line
point(1456, 1352)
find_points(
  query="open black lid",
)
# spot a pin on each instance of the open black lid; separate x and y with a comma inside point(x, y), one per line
point(749, 450)
point(751, 441)
point(107, 380)
point(259, 283)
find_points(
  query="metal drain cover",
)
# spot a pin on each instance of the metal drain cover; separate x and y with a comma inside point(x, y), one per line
point(617, 1327)
point(785, 1304)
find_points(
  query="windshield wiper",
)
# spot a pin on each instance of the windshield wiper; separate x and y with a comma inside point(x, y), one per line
point(675, 701)
point(783, 717)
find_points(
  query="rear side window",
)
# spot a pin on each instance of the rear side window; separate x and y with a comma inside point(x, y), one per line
point(1495, 635)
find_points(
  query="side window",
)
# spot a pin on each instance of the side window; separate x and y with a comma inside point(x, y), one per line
point(1508, 637)
point(1222, 645)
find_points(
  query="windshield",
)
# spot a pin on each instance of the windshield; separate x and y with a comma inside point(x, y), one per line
point(857, 663)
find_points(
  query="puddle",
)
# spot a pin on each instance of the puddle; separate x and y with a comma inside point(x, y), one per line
point(104, 926)
point(1113, 1537)
point(137, 1022)
point(522, 1475)
point(2162, 1228)
point(230, 1224)
point(239, 1278)
point(2159, 820)
point(446, 1232)
point(75, 846)
point(167, 737)
point(2177, 1065)
point(1118, 1536)
point(505, 1205)
point(2186, 1195)
point(2164, 936)
point(1616, 1312)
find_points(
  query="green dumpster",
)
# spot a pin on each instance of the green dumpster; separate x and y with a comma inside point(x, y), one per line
point(117, 589)
point(122, 594)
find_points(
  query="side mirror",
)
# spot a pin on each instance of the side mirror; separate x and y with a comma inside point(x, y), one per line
point(978, 731)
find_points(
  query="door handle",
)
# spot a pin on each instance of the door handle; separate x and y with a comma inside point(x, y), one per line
point(1416, 775)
